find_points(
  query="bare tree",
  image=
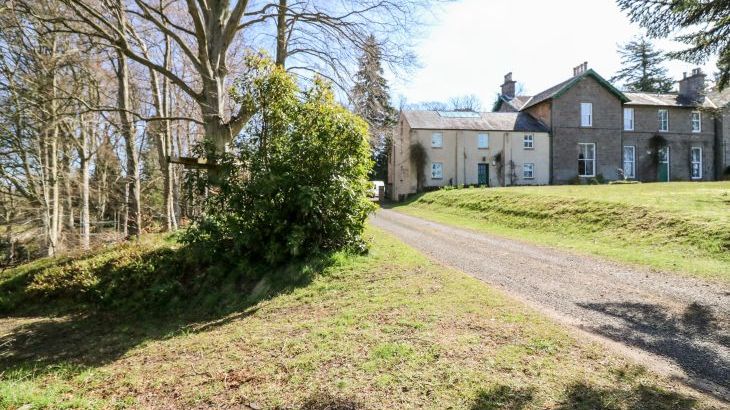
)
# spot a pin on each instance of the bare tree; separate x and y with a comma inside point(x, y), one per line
point(318, 37)
point(469, 102)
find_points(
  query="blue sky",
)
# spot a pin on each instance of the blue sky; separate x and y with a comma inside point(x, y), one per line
point(471, 44)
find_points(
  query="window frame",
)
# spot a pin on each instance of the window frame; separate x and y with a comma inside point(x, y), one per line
point(692, 162)
point(627, 110)
point(662, 121)
point(532, 170)
point(593, 160)
point(531, 141)
point(590, 114)
point(479, 146)
point(699, 121)
point(633, 162)
point(441, 140)
point(441, 170)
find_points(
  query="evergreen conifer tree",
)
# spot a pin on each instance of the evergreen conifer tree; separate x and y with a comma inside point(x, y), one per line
point(703, 25)
point(370, 97)
point(642, 68)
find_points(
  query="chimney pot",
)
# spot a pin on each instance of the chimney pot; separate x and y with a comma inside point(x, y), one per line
point(508, 88)
point(693, 87)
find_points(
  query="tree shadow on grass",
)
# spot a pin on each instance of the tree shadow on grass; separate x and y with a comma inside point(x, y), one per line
point(75, 326)
point(503, 397)
point(584, 397)
point(326, 401)
point(694, 340)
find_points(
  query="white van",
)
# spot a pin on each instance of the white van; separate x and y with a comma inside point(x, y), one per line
point(375, 188)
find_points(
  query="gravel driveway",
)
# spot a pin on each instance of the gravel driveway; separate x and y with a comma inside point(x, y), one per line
point(676, 325)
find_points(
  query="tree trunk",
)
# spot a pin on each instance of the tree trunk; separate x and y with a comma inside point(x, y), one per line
point(68, 187)
point(163, 135)
point(84, 171)
point(281, 36)
point(53, 203)
point(134, 219)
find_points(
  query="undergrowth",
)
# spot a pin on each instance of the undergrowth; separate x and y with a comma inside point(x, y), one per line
point(154, 275)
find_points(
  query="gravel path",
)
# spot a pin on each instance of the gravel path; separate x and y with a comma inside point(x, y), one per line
point(679, 326)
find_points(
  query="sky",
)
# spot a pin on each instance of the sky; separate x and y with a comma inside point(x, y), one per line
point(472, 44)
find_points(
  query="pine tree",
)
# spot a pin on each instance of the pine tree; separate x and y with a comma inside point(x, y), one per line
point(703, 25)
point(370, 97)
point(642, 68)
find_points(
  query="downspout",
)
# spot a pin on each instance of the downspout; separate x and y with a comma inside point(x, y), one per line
point(621, 163)
point(551, 136)
point(456, 158)
point(464, 164)
point(505, 161)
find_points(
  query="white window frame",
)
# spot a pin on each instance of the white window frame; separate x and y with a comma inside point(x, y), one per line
point(693, 162)
point(698, 121)
point(628, 119)
point(663, 122)
point(593, 160)
point(632, 174)
point(531, 167)
point(528, 141)
point(586, 114)
point(437, 136)
point(479, 141)
point(437, 166)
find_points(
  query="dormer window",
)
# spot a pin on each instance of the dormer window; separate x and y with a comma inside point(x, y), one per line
point(586, 114)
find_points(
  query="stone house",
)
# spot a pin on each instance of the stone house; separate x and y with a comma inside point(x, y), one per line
point(583, 129)
point(467, 148)
point(597, 131)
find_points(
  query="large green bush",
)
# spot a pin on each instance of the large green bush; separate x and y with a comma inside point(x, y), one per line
point(295, 183)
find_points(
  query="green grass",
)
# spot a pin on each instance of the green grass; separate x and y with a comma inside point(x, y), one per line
point(677, 227)
point(386, 330)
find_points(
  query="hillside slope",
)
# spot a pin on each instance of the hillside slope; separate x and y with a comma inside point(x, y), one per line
point(386, 330)
point(682, 227)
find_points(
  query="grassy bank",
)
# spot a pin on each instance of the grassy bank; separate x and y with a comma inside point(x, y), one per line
point(386, 330)
point(681, 227)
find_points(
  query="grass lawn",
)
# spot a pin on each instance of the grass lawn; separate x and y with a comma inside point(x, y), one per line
point(387, 330)
point(680, 227)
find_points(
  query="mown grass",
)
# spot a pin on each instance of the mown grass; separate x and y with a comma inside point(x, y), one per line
point(678, 227)
point(387, 330)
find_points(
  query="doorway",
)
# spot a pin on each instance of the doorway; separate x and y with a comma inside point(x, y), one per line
point(483, 174)
point(663, 164)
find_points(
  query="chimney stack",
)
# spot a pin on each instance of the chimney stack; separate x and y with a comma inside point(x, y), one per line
point(508, 88)
point(580, 69)
point(693, 87)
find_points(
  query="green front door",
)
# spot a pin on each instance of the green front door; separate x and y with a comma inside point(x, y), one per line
point(483, 174)
point(663, 165)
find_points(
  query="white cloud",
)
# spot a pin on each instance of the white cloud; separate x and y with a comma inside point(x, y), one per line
point(475, 42)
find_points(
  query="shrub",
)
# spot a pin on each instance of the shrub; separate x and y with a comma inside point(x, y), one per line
point(295, 183)
point(624, 182)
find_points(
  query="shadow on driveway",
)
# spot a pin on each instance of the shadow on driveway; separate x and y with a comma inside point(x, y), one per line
point(696, 340)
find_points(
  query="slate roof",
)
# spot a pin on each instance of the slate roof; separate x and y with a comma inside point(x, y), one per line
point(484, 121)
point(559, 89)
point(666, 100)
point(719, 99)
point(517, 102)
